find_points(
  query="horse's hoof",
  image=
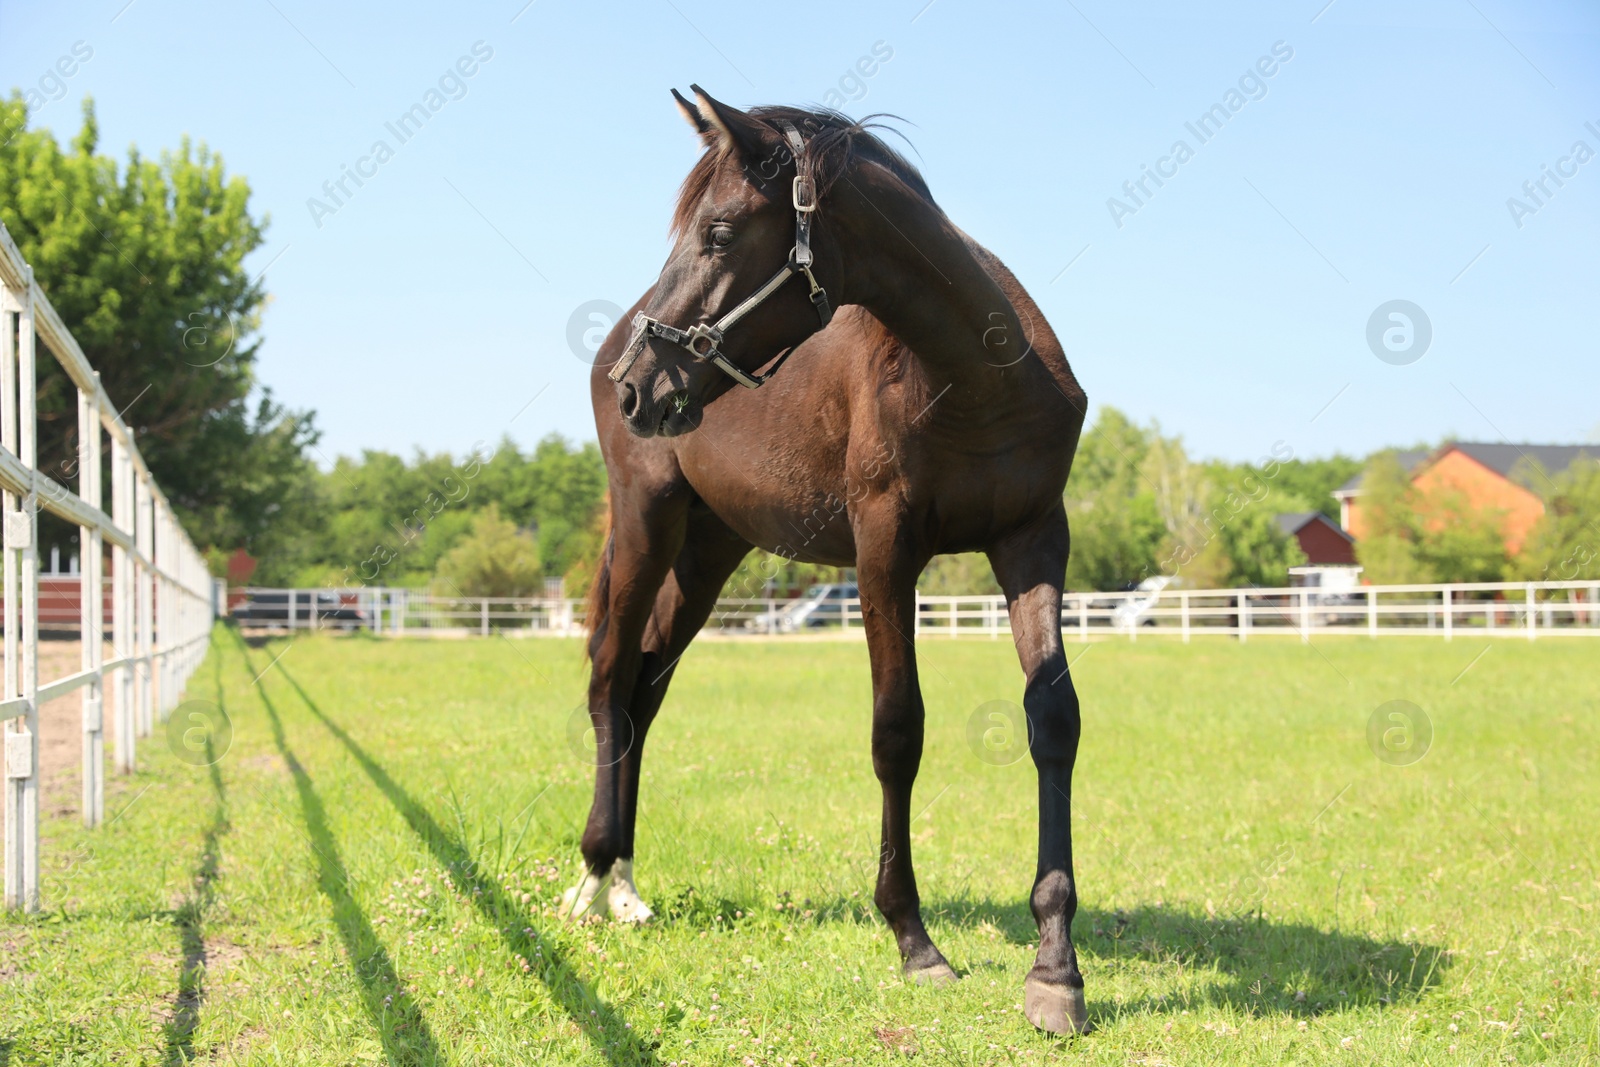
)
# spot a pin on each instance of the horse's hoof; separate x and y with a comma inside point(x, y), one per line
point(940, 974)
point(624, 898)
point(579, 902)
point(1055, 1009)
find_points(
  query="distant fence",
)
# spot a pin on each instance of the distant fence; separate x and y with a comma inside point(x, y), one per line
point(159, 591)
point(1519, 609)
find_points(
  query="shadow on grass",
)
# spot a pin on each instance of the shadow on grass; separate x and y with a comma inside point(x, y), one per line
point(1263, 964)
point(191, 916)
point(404, 1033)
point(600, 1023)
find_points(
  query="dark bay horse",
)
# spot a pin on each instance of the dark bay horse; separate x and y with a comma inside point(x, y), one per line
point(933, 412)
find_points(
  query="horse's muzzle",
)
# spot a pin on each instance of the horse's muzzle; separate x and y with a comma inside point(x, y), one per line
point(647, 416)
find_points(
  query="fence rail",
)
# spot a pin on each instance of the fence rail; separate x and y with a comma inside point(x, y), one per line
point(1519, 609)
point(160, 592)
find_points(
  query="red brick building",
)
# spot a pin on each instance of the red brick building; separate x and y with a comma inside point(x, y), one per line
point(1320, 538)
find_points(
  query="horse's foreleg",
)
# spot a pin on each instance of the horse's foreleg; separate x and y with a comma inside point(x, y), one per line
point(711, 552)
point(887, 577)
point(1031, 566)
point(637, 561)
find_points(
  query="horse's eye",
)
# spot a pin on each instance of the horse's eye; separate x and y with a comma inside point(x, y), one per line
point(721, 236)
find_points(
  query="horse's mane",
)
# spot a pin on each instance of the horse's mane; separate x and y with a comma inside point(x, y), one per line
point(833, 141)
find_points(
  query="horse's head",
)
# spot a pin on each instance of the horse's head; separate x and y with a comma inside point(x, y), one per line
point(747, 279)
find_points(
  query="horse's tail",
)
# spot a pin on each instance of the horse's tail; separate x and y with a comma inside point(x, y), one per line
point(599, 605)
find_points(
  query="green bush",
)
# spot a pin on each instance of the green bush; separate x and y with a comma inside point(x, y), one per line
point(495, 559)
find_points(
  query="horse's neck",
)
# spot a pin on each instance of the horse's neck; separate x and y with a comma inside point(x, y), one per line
point(925, 281)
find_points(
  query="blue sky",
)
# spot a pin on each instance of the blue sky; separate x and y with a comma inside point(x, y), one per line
point(1375, 164)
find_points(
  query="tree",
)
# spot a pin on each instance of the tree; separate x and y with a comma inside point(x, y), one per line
point(1389, 549)
point(495, 559)
point(146, 267)
point(1229, 534)
point(1564, 545)
point(1179, 488)
point(1314, 480)
point(1112, 512)
point(762, 573)
point(580, 575)
point(1460, 542)
point(1416, 535)
point(962, 574)
point(558, 489)
point(1259, 552)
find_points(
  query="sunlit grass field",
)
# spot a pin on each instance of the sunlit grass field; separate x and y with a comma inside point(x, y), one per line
point(369, 873)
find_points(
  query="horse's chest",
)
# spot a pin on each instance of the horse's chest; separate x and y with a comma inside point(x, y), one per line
point(787, 496)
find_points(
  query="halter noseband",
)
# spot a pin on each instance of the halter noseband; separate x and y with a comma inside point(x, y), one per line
point(704, 342)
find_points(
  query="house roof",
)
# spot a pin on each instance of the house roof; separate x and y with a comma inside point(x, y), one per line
point(1408, 461)
point(1292, 522)
point(1500, 457)
point(1504, 458)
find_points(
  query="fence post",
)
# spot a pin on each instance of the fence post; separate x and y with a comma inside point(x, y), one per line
point(1183, 614)
point(20, 537)
point(293, 616)
point(1449, 614)
point(143, 529)
point(1372, 612)
point(485, 616)
point(1244, 616)
point(1532, 614)
point(16, 789)
point(10, 301)
point(161, 637)
point(122, 603)
point(1305, 616)
point(91, 615)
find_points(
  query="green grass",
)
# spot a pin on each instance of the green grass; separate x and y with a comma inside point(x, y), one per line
point(369, 873)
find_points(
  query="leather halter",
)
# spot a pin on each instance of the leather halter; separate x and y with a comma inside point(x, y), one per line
point(704, 342)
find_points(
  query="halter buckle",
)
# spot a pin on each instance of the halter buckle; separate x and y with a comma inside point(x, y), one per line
point(804, 194)
point(701, 332)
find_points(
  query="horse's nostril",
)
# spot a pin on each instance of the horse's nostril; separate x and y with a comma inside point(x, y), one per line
point(628, 401)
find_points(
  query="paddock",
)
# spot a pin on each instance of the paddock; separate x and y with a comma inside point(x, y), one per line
point(374, 863)
point(356, 840)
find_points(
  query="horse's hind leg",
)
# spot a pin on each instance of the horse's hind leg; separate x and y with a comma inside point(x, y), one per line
point(1031, 566)
point(888, 576)
point(709, 554)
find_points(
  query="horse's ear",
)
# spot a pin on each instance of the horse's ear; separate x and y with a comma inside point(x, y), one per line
point(692, 115)
point(732, 129)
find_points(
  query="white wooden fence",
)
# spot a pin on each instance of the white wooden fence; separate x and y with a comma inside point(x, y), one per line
point(161, 593)
point(1518, 609)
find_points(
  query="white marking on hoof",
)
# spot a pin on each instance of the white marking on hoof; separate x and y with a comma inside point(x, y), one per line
point(1055, 1009)
point(940, 974)
point(624, 897)
point(578, 902)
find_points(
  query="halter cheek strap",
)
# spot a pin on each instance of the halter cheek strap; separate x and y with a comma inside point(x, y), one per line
point(704, 342)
